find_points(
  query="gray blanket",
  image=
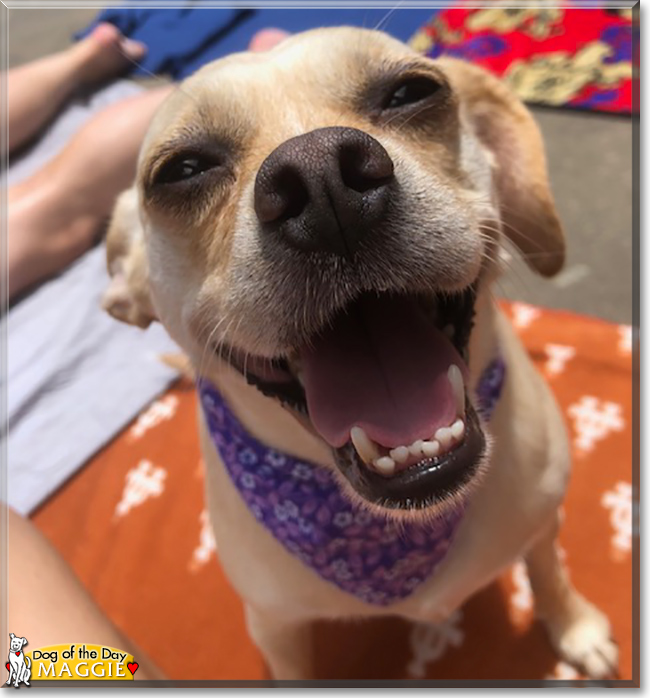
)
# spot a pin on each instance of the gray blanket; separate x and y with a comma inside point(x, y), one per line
point(75, 376)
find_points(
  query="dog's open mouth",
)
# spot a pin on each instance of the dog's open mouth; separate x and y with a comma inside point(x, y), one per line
point(384, 386)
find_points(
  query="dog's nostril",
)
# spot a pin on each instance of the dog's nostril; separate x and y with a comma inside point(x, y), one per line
point(285, 198)
point(293, 192)
point(365, 169)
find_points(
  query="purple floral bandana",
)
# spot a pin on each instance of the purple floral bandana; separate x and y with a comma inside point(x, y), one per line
point(303, 507)
point(490, 386)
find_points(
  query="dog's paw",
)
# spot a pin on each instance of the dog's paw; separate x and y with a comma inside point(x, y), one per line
point(584, 638)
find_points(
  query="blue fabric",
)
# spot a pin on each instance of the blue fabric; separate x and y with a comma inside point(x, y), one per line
point(301, 504)
point(180, 41)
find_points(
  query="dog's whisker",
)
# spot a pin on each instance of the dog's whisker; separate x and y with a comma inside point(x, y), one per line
point(232, 348)
point(381, 25)
point(162, 81)
point(510, 209)
point(415, 114)
point(507, 263)
point(208, 346)
point(231, 344)
point(519, 232)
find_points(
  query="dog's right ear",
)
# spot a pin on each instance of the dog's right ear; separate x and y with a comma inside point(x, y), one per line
point(507, 129)
point(128, 297)
point(12, 636)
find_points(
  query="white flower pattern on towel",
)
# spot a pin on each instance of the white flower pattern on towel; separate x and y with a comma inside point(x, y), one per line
point(142, 482)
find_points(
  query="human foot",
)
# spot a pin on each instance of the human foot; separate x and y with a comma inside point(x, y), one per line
point(104, 53)
point(266, 39)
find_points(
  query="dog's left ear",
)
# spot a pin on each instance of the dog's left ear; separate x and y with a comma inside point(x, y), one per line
point(505, 127)
point(24, 639)
point(127, 298)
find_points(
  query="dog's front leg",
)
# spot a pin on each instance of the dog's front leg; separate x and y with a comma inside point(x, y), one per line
point(286, 646)
point(580, 632)
point(11, 671)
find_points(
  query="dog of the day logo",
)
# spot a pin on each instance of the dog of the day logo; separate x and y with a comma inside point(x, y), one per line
point(18, 666)
point(67, 662)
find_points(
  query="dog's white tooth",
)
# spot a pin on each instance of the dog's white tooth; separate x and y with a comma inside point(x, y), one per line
point(364, 445)
point(430, 448)
point(400, 454)
point(458, 386)
point(415, 449)
point(457, 429)
point(449, 331)
point(385, 465)
point(443, 435)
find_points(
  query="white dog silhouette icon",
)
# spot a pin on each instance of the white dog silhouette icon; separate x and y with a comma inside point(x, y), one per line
point(19, 666)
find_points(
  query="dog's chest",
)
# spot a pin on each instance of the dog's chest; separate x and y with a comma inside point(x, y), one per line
point(379, 561)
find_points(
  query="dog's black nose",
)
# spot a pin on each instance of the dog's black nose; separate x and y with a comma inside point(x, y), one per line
point(325, 190)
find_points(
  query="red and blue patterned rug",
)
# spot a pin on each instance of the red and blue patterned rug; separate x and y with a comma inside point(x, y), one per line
point(572, 57)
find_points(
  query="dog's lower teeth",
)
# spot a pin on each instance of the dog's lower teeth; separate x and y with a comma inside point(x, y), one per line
point(400, 454)
point(385, 465)
point(457, 429)
point(444, 437)
point(388, 464)
point(430, 448)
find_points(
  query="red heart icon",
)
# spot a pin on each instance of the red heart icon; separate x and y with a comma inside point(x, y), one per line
point(133, 667)
point(7, 665)
point(17, 654)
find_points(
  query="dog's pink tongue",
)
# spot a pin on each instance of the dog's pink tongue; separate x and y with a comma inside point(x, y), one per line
point(383, 367)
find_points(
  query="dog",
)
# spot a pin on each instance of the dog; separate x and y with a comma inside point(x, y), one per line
point(20, 667)
point(318, 227)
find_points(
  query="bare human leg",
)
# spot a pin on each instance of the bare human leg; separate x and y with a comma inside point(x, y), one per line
point(48, 603)
point(54, 215)
point(37, 90)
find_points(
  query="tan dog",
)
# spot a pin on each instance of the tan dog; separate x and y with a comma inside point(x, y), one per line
point(326, 218)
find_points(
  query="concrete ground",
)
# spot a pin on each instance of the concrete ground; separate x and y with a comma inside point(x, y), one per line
point(590, 162)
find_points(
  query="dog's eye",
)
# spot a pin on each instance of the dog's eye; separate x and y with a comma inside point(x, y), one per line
point(411, 91)
point(184, 167)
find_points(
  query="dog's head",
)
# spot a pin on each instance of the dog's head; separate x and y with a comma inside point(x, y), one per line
point(16, 643)
point(322, 217)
